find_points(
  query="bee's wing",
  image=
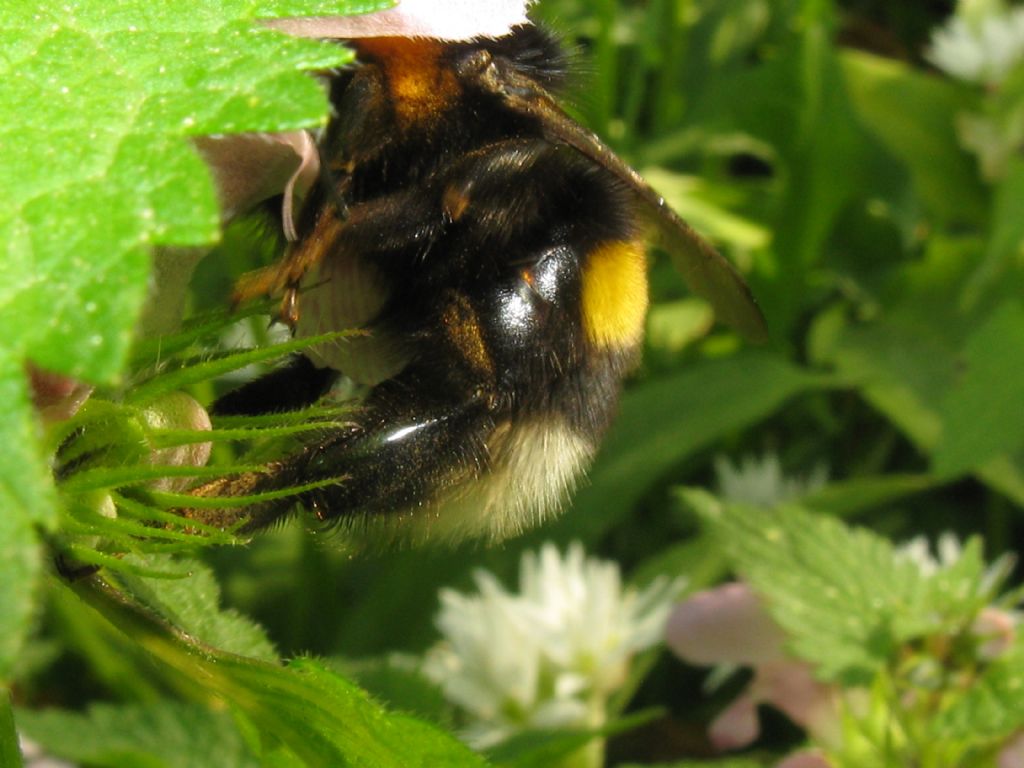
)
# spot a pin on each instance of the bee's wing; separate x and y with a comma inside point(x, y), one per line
point(707, 273)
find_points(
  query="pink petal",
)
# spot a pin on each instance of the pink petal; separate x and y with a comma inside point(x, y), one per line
point(805, 759)
point(1012, 755)
point(790, 687)
point(251, 167)
point(998, 629)
point(450, 20)
point(56, 397)
point(737, 726)
point(724, 625)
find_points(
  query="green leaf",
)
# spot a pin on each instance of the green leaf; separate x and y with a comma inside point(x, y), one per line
point(983, 414)
point(1007, 232)
point(914, 115)
point(993, 706)
point(191, 602)
point(166, 734)
point(662, 422)
point(319, 716)
point(104, 171)
point(99, 103)
point(857, 495)
point(10, 753)
point(396, 680)
point(326, 720)
point(907, 363)
point(27, 499)
point(843, 597)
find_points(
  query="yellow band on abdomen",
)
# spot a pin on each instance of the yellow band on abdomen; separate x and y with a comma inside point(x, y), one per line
point(615, 294)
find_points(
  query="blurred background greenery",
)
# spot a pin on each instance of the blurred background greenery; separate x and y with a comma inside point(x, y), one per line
point(876, 205)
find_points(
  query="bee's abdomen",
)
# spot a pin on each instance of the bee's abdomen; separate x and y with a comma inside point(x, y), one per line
point(521, 298)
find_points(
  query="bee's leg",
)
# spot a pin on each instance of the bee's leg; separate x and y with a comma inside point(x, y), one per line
point(294, 385)
point(389, 222)
point(415, 434)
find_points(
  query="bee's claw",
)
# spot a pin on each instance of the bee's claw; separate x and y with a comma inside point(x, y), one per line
point(288, 313)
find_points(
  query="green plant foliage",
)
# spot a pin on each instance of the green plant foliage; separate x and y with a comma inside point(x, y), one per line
point(993, 708)
point(97, 169)
point(168, 734)
point(9, 752)
point(187, 596)
point(981, 415)
point(319, 716)
point(872, 199)
point(884, 93)
point(899, 632)
point(843, 598)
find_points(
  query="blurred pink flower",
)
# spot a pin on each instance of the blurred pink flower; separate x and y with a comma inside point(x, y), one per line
point(998, 631)
point(808, 758)
point(1012, 755)
point(727, 625)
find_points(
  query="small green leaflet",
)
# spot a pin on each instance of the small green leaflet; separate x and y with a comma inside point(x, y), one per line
point(192, 604)
point(993, 708)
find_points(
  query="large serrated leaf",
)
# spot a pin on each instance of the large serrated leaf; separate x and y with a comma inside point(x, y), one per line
point(99, 103)
point(192, 603)
point(319, 716)
point(164, 733)
point(841, 595)
point(96, 163)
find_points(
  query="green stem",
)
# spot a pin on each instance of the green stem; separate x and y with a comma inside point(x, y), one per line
point(10, 752)
point(592, 754)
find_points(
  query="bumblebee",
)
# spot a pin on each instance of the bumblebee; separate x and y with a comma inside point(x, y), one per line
point(493, 250)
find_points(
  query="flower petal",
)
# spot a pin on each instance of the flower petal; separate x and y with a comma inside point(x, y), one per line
point(724, 625)
point(451, 20)
point(737, 726)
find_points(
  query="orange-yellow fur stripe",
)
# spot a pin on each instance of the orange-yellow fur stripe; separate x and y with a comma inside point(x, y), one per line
point(615, 294)
point(418, 84)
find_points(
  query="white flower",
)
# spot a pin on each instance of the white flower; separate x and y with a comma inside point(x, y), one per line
point(549, 656)
point(450, 20)
point(980, 48)
point(760, 482)
point(994, 626)
point(948, 550)
point(35, 757)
